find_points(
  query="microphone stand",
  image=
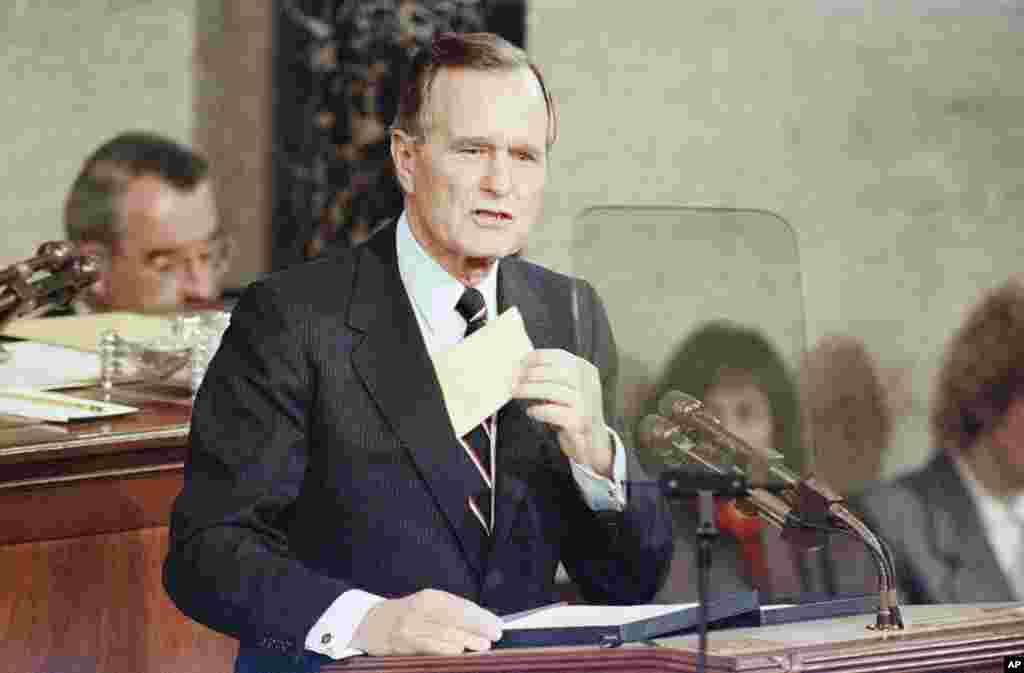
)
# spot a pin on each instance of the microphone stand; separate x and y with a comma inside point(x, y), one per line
point(707, 532)
point(679, 483)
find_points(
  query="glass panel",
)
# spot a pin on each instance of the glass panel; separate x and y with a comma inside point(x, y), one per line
point(666, 272)
point(709, 302)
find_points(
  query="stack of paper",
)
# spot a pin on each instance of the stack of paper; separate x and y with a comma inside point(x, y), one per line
point(43, 366)
point(56, 407)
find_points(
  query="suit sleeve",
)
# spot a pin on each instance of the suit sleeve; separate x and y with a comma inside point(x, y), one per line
point(615, 557)
point(228, 565)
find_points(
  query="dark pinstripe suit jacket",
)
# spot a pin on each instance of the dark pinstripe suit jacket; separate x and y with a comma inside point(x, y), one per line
point(322, 459)
point(936, 535)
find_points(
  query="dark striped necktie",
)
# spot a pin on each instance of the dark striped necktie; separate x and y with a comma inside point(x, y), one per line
point(479, 441)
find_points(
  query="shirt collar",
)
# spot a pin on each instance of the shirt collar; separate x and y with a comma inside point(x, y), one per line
point(434, 292)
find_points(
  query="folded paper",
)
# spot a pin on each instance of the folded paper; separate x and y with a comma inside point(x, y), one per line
point(478, 374)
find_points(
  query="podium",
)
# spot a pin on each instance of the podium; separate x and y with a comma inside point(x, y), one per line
point(947, 638)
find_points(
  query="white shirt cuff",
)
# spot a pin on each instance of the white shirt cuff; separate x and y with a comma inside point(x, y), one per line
point(601, 493)
point(333, 632)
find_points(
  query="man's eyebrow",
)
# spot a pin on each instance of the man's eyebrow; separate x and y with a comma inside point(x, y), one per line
point(482, 141)
point(472, 140)
point(159, 252)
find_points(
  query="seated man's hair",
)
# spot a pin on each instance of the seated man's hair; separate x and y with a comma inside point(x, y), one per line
point(90, 212)
point(983, 369)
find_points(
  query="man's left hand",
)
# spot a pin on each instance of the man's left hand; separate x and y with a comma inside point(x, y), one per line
point(566, 391)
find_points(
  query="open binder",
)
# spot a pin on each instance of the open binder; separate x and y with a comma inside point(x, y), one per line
point(610, 626)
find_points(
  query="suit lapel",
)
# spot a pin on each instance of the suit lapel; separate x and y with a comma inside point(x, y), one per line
point(515, 289)
point(517, 432)
point(959, 538)
point(396, 369)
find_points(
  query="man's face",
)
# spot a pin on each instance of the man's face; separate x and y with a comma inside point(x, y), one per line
point(474, 185)
point(170, 256)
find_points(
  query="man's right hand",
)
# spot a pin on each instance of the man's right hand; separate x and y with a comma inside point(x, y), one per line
point(427, 622)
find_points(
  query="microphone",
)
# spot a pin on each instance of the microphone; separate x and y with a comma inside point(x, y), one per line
point(677, 450)
point(52, 277)
point(811, 497)
point(810, 505)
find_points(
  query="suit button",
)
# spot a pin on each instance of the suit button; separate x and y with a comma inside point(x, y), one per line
point(495, 579)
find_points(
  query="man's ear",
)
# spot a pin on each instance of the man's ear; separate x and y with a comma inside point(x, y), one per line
point(98, 292)
point(403, 149)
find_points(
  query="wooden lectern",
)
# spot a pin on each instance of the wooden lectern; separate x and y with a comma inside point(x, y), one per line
point(947, 638)
point(83, 532)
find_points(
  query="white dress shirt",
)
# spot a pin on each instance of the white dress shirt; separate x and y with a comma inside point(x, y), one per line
point(1003, 521)
point(433, 293)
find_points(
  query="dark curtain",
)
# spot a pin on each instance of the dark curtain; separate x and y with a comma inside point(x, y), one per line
point(337, 65)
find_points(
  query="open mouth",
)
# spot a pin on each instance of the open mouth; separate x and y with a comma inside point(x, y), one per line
point(492, 215)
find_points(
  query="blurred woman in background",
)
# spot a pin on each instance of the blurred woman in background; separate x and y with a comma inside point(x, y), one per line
point(743, 380)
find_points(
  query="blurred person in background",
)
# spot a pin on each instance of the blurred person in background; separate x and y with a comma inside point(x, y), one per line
point(143, 205)
point(847, 415)
point(956, 524)
point(744, 382)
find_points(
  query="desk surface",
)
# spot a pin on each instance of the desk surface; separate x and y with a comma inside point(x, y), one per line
point(61, 480)
point(154, 438)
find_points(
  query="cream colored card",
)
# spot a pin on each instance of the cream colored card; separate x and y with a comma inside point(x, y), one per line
point(478, 374)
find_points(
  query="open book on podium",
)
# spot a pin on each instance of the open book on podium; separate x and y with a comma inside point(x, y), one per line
point(612, 625)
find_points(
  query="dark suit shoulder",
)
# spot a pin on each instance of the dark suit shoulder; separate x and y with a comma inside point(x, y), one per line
point(320, 284)
point(936, 477)
point(545, 282)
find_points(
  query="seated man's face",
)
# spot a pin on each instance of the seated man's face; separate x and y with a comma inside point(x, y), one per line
point(171, 256)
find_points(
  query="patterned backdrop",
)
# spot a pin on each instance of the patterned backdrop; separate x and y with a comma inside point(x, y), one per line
point(336, 75)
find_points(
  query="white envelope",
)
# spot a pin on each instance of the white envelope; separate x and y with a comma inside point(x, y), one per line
point(478, 374)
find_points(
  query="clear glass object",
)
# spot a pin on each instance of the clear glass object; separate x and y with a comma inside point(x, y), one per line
point(179, 357)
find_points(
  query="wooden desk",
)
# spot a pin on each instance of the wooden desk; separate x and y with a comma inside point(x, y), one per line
point(83, 532)
point(939, 638)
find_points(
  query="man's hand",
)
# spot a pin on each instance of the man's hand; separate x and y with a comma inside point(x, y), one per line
point(568, 394)
point(427, 622)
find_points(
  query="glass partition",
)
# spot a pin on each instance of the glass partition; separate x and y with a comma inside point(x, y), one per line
point(708, 301)
point(724, 284)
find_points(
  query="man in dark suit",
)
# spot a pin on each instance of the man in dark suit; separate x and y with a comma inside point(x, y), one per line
point(956, 525)
point(329, 508)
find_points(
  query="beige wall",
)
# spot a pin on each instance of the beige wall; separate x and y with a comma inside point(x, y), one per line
point(891, 138)
point(888, 134)
point(74, 74)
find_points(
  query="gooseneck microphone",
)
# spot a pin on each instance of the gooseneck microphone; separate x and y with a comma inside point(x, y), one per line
point(669, 439)
point(806, 507)
point(812, 497)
